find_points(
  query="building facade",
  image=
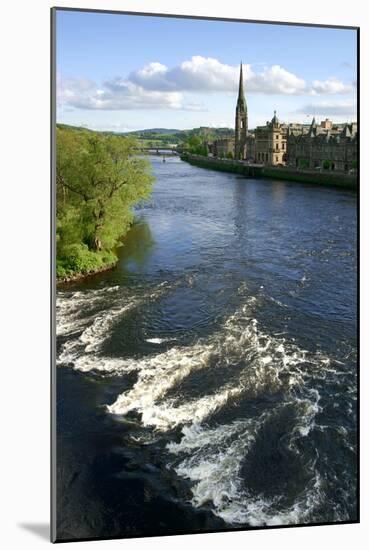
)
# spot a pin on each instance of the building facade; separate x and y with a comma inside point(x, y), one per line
point(250, 146)
point(223, 148)
point(271, 143)
point(324, 147)
point(241, 122)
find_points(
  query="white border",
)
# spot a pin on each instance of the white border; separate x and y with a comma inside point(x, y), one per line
point(24, 218)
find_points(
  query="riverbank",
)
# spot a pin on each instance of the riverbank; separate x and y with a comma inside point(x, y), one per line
point(325, 178)
point(80, 276)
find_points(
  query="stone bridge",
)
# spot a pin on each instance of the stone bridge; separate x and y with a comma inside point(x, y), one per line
point(161, 151)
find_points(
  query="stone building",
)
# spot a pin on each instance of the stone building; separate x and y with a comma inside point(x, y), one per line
point(223, 148)
point(325, 146)
point(250, 146)
point(241, 122)
point(271, 143)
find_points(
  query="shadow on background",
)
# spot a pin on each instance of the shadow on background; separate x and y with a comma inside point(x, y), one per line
point(42, 530)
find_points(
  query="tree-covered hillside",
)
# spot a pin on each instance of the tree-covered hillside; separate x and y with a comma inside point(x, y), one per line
point(163, 137)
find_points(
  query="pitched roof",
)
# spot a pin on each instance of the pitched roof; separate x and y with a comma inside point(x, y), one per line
point(346, 132)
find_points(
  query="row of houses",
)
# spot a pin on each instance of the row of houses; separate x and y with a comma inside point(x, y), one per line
point(325, 145)
point(334, 148)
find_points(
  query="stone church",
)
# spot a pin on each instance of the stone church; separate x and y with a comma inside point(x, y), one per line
point(241, 145)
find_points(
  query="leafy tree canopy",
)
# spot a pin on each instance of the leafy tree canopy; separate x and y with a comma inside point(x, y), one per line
point(98, 179)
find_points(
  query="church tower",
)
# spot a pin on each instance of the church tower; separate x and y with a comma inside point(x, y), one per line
point(241, 122)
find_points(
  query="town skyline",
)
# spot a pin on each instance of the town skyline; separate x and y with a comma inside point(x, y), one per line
point(184, 73)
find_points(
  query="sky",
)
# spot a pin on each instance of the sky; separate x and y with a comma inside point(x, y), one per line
point(122, 73)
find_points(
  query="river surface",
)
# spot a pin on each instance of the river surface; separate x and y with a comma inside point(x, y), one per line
point(209, 381)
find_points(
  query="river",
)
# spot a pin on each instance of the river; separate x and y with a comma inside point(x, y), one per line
point(209, 381)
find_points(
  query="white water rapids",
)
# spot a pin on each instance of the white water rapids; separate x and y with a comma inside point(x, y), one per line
point(209, 457)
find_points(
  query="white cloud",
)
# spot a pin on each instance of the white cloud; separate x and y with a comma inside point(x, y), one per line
point(197, 74)
point(204, 74)
point(117, 94)
point(276, 80)
point(330, 86)
point(153, 76)
point(156, 86)
point(68, 89)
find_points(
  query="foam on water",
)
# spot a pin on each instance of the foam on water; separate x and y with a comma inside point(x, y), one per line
point(166, 416)
point(209, 458)
point(269, 364)
point(158, 340)
point(70, 305)
point(212, 463)
point(157, 374)
point(76, 315)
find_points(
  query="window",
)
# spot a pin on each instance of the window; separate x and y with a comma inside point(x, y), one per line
point(277, 146)
point(276, 159)
point(283, 145)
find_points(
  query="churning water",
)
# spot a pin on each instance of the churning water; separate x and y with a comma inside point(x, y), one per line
point(209, 382)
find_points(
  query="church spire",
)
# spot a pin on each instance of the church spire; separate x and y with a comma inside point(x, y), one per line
point(241, 95)
point(241, 125)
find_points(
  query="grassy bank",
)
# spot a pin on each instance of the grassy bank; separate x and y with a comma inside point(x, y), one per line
point(79, 261)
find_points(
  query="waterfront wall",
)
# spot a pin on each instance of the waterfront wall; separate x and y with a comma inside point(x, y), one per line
point(328, 178)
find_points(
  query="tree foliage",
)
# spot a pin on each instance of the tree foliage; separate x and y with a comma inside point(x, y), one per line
point(98, 179)
point(194, 145)
point(303, 163)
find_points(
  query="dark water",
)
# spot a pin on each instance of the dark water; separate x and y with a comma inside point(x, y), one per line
point(209, 382)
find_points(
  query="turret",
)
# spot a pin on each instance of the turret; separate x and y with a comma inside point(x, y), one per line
point(275, 120)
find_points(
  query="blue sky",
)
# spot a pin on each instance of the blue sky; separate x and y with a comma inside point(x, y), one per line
point(119, 72)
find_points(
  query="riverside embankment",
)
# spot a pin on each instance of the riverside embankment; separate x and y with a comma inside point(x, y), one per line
point(326, 178)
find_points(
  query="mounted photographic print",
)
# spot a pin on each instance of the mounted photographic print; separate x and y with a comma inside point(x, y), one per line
point(204, 275)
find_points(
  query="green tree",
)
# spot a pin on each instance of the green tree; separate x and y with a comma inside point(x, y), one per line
point(303, 163)
point(98, 179)
point(194, 144)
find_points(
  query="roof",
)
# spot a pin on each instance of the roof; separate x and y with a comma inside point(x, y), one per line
point(275, 119)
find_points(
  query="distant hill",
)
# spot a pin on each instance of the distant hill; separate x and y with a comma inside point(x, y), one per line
point(155, 131)
point(70, 127)
point(164, 136)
